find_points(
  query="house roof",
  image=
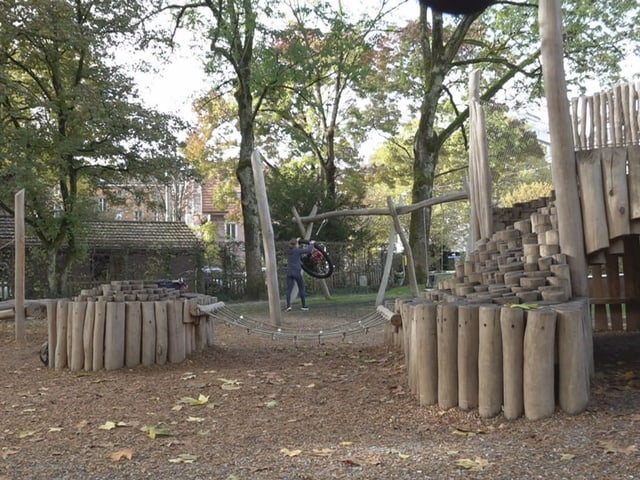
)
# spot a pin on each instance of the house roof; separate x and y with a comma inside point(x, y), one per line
point(122, 234)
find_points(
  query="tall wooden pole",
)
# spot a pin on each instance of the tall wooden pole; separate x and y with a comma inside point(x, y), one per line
point(563, 165)
point(267, 240)
point(21, 335)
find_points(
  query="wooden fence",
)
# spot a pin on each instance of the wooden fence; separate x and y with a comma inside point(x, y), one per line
point(606, 130)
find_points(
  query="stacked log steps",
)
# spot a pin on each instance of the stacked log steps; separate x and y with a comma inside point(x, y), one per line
point(518, 265)
point(502, 333)
point(126, 324)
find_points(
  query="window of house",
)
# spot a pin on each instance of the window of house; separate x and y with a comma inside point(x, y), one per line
point(197, 203)
point(119, 215)
point(137, 215)
point(102, 204)
point(231, 231)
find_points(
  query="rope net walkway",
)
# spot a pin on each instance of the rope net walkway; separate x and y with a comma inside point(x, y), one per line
point(359, 326)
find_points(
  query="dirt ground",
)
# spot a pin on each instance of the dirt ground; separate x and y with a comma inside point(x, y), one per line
point(254, 408)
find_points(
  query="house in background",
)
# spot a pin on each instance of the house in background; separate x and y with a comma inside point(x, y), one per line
point(189, 202)
point(116, 250)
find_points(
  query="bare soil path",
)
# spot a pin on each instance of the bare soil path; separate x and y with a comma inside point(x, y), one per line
point(254, 408)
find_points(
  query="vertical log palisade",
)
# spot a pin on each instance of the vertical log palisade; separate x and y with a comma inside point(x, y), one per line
point(126, 324)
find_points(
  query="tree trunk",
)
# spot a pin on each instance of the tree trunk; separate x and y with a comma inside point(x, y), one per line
point(253, 259)
point(424, 166)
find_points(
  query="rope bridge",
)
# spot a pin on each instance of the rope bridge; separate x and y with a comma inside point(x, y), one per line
point(378, 317)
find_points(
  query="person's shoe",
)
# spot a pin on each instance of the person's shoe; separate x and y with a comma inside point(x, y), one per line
point(304, 309)
point(288, 309)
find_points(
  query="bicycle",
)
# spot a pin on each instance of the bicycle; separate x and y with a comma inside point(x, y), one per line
point(318, 264)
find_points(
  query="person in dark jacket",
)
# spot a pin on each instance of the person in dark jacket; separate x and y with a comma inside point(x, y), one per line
point(294, 270)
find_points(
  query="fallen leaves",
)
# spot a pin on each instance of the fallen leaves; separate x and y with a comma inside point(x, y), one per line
point(125, 453)
point(109, 425)
point(183, 458)
point(611, 446)
point(154, 431)
point(474, 465)
point(194, 402)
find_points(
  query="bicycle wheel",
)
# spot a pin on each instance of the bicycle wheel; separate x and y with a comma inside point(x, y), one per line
point(320, 267)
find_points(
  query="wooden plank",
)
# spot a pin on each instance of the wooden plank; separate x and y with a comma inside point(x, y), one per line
point(614, 165)
point(592, 200)
point(633, 178)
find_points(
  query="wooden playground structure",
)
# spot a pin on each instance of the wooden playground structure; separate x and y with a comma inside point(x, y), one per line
point(511, 332)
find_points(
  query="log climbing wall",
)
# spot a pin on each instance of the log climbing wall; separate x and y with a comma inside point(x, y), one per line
point(504, 334)
point(606, 129)
point(126, 324)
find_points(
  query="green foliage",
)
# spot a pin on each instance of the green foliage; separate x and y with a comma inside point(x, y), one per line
point(70, 121)
point(298, 185)
point(525, 192)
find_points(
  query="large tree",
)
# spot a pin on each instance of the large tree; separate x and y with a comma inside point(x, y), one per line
point(238, 62)
point(70, 120)
point(434, 55)
point(325, 52)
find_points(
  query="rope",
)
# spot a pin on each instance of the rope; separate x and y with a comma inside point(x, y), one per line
point(359, 326)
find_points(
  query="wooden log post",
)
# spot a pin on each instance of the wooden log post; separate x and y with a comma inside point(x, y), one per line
point(426, 355)
point(563, 168)
point(407, 324)
point(52, 332)
point(133, 334)
point(114, 336)
point(489, 361)
point(62, 309)
point(468, 342)
point(632, 281)
point(176, 352)
point(78, 311)
point(538, 371)
point(162, 333)
point(87, 335)
point(447, 336)
point(148, 352)
point(512, 329)
point(98, 335)
point(19, 266)
point(574, 354)
point(268, 243)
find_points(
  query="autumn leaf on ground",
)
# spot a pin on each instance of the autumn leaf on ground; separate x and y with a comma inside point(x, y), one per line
point(55, 429)
point(120, 454)
point(154, 431)
point(345, 443)
point(567, 456)
point(403, 456)
point(193, 402)
point(466, 433)
point(474, 465)
point(26, 434)
point(6, 452)
point(184, 458)
point(611, 446)
point(229, 384)
point(323, 452)
point(271, 404)
point(195, 419)
point(109, 425)
point(188, 376)
point(290, 453)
